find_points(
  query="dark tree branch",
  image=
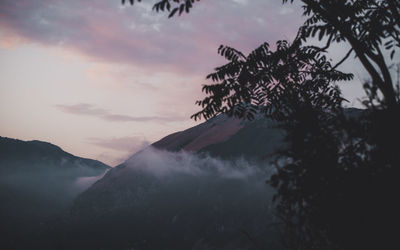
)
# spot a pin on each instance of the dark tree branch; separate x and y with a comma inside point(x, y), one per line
point(343, 59)
point(359, 48)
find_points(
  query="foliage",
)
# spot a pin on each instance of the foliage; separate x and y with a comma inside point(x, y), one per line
point(339, 167)
point(337, 180)
point(294, 85)
point(371, 27)
point(172, 6)
point(263, 80)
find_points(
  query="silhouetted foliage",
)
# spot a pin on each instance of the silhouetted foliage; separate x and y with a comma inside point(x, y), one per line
point(265, 80)
point(337, 180)
point(172, 6)
point(293, 85)
point(340, 166)
point(369, 26)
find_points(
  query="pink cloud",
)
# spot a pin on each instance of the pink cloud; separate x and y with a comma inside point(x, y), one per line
point(129, 144)
point(107, 31)
point(91, 110)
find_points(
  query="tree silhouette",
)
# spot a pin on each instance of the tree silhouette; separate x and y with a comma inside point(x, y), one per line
point(370, 27)
point(337, 179)
point(269, 81)
point(172, 6)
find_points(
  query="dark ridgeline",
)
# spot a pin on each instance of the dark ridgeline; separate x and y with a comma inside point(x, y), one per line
point(38, 182)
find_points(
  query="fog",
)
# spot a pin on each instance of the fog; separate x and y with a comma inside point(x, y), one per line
point(35, 191)
point(177, 200)
point(163, 163)
point(156, 200)
point(83, 183)
point(56, 183)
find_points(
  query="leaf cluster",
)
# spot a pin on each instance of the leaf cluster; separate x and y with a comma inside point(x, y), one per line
point(372, 22)
point(370, 27)
point(268, 80)
point(338, 170)
point(172, 6)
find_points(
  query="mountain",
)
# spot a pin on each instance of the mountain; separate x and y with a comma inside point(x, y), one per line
point(38, 181)
point(226, 137)
point(201, 188)
point(17, 153)
point(213, 131)
point(226, 140)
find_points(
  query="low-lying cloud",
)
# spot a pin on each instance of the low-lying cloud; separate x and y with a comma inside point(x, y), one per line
point(82, 183)
point(162, 163)
point(175, 200)
point(129, 144)
point(87, 109)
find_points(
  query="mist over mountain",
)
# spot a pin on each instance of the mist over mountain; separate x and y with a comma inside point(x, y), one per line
point(201, 188)
point(38, 181)
point(223, 144)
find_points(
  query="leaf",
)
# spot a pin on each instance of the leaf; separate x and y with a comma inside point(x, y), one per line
point(392, 54)
point(181, 9)
point(172, 12)
point(321, 33)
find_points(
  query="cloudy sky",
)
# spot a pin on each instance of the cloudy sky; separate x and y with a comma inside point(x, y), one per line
point(103, 80)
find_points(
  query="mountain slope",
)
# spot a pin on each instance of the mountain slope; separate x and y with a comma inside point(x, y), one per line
point(213, 131)
point(257, 140)
point(224, 138)
point(16, 154)
point(201, 188)
point(194, 188)
point(40, 171)
point(39, 180)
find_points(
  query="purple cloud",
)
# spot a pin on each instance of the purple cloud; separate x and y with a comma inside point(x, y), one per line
point(108, 31)
point(91, 110)
point(129, 144)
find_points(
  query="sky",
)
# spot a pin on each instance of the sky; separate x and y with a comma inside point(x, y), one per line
point(102, 80)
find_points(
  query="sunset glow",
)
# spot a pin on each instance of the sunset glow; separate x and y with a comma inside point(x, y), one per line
point(103, 80)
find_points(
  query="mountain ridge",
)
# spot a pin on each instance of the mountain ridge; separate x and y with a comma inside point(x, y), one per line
point(11, 148)
point(38, 183)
